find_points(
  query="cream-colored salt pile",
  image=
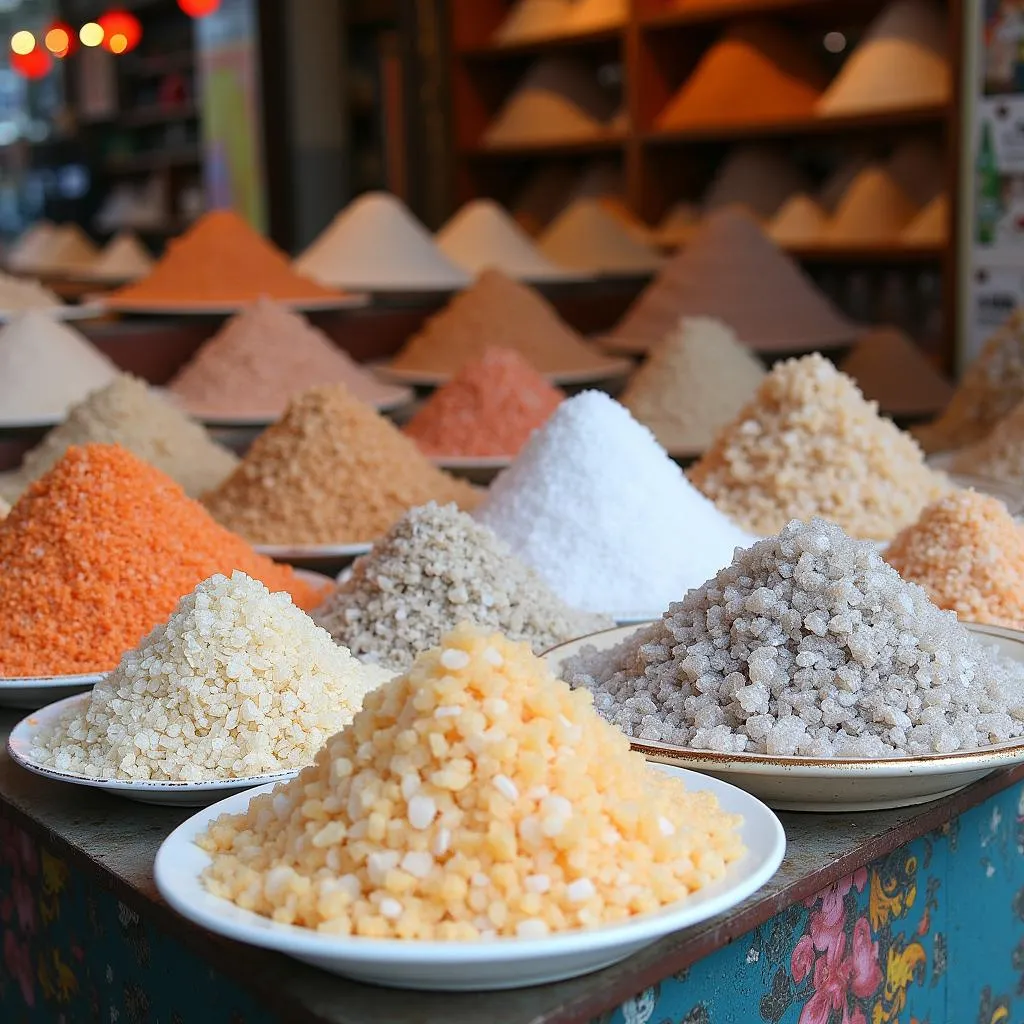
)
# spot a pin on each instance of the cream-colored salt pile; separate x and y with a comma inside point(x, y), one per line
point(930, 226)
point(918, 168)
point(757, 177)
point(589, 238)
point(376, 244)
point(46, 367)
point(799, 221)
point(558, 100)
point(21, 295)
point(694, 382)
point(1000, 455)
point(482, 236)
point(30, 247)
point(733, 272)
point(873, 211)
point(69, 251)
point(124, 258)
point(900, 62)
point(530, 20)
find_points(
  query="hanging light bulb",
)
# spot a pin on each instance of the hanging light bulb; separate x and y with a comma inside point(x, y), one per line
point(91, 34)
point(23, 42)
point(60, 39)
point(34, 64)
point(122, 31)
point(198, 8)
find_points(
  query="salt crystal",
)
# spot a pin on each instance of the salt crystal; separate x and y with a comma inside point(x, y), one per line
point(580, 891)
point(421, 812)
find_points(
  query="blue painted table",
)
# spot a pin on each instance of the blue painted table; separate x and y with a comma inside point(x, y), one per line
point(913, 916)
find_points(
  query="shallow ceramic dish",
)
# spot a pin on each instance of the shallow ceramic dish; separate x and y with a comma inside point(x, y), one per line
point(31, 692)
point(838, 785)
point(228, 308)
point(479, 469)
point(310, 554)
point(615, 369)
point(468, 966)
point(174, 794)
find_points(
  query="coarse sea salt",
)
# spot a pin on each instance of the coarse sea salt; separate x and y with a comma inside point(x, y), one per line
point(598, 508)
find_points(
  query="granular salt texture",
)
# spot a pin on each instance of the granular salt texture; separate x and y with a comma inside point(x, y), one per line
point(758, 177)
point(437, 567)
point(124, 258)
point(236, 683)
point(17, 293)
point(100, 550)
point(695, 380)
point(489, 408)
point(331, 471)
point(799, 221)
point(918, 167)
point(807, 645)
point(989, 389)
point(1000, 454)
point(893, 371)
point(46, 367)
point(968, 554)
point(497, 312)
point(901, 61)
point(755, 72)
point(31, 245)
point(586, 237)
point(732, 271)
point(476, 797)
point(376, 244)
point(598, 508)
point(262, 357)
point(809, 444)
point(558, 100)
point(481, 235)
point(531, 20)
point(220, 259)
point(931, 225)
point(127, 413)
point(873, 211)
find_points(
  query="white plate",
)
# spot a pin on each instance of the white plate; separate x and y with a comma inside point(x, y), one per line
point(31, 692)
point(838, 785)
point(467, 966)
point(83, 311)
point(313, 552)
point(227, 308)
point(614, 369)
point(175, 794)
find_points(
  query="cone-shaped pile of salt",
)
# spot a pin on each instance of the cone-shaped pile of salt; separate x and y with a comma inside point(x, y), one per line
point(544, 195)
point(565, 832)
point(23, 294)
point(931, 226)
point(559, 100)
point(918, 168)
point(678, 225)
point(594, 15)
point(757, 177)
point(70, 251)
point(247, 685)
point(376, 244)
point(892, 371)
point(755, 73)
point(901, 62)
point(533, 19)
point(587, 237)
point(594, 504)
point(46, 367)
point(799, 221)
point(733, 272)
point(836, 184)
point(497, 312)
point(124, 258)
point(220, 259)
point(694, 382)
point(30, 249)
point(873, 211)
point(482, 236)
point(809, 444)
point(1000, 455)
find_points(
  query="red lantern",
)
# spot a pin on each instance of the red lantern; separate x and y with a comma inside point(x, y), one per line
point(122, 31)
point(198, 8)
point(60, 39)
point(36, 64)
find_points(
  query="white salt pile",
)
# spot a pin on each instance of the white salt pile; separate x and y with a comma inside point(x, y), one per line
point(46, 367)
point(598, 508)
point(756, 176)
point(589, 238)
point(807, 644)
point(482, 236)
point(238, 682)
point(872, 211)
point(31, 245)
point(435, 568)
point(20, 294)
point(376, 244)
point(124, 258)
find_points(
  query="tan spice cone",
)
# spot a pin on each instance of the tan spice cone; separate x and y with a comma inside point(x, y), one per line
point(930, 226)
point(758, 177)
point(587, 237)
point(799, 221)
point(873, 211)
point(533, 19)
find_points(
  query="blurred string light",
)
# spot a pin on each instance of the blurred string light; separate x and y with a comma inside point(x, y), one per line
point(198, 8)
point(122, 31)
point(91, 34)
point(34, 64)
point(23, 43)
point(59, 39)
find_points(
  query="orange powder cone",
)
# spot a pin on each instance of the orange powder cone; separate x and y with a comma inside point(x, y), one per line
point(930, 226)
point(873, 211)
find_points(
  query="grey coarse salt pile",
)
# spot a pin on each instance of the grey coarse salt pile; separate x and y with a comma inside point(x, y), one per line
point(810, 645)
point(597, 507)
point(437, 567)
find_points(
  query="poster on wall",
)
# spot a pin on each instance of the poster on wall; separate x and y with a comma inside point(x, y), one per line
point(227, 44)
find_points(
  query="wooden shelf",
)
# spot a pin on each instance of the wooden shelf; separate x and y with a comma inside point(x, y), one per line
point(495, 51)
point(160, 64)
point(863, 254)
point(180, 156)
point(157, 113)
point(705, 13)
point(582, 147)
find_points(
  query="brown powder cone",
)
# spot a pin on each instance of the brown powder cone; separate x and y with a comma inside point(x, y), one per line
point(586, 237)
point(873, 211)
point(900, 62)
point(558, 100)
point(498, 312)
point(733, 272)
point(331, 471)
point(892, 371)
point(917, 166)
point(756, 72)
point(988, 391)
point(757, 177)
point(1000, 455)
point(678, 226)
point(546, 193)
point(800, 221)
point(594, 15)
point(930, 226)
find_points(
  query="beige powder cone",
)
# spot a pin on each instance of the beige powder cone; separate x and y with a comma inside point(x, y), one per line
point(873, 211)
point(901, 62)
point(559, 100)
point(800, 221)
point(676, 228)
point(930, 226)
point(757, 177)
point(544, 195)
point(594, 15)
point(836, 184)
point(587, 237)
point(732, 271)
point(918, 168)
point(533, 19)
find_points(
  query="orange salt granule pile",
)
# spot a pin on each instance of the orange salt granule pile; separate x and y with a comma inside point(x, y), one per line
point(490, 407)
point(221, 259)
point(968, 554)
point(99, 551)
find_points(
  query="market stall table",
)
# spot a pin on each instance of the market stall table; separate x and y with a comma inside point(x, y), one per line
point(885, 916)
